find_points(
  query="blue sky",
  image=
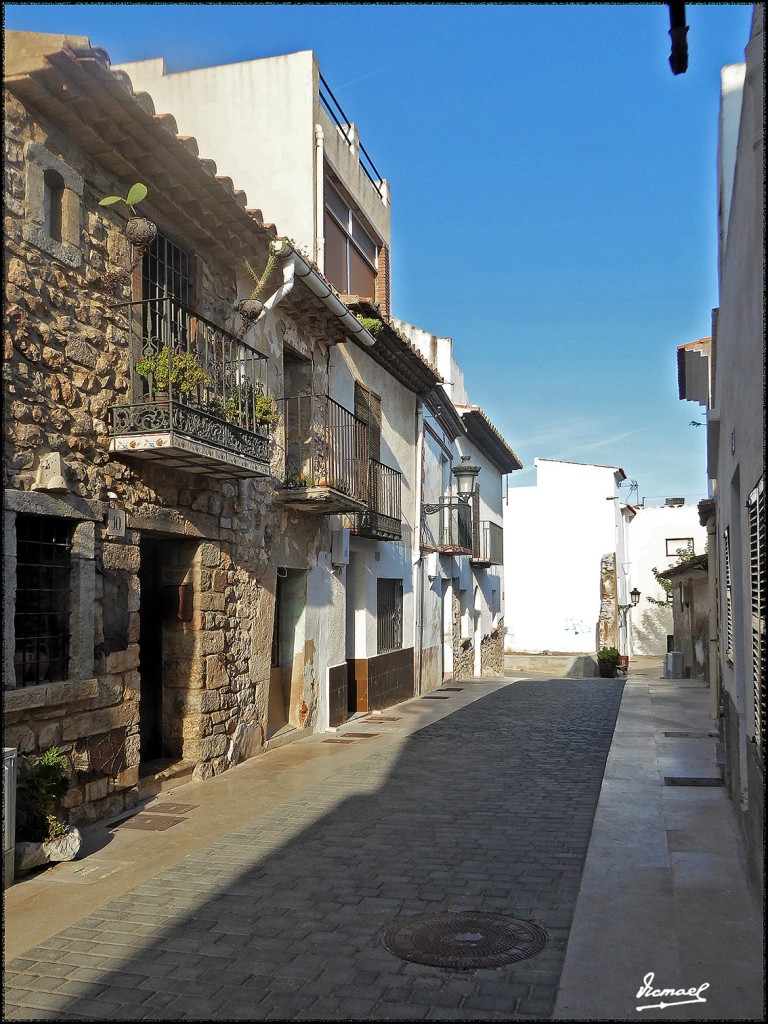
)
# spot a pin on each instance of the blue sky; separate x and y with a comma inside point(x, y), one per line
point(553, 193)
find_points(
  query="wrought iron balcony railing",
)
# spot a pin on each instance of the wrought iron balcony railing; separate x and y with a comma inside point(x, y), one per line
point(198, 394)
point(489, 544)
point(382, 517)
point(453, 530)
point(325, 463)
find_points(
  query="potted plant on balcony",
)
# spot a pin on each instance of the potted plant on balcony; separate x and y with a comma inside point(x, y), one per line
point(607, 660)
point(140, 231)
point(178, 370)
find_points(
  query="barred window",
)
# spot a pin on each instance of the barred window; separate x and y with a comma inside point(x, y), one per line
point(728, 596)
point(389, 615)
point(43, 562)
point(757, 577)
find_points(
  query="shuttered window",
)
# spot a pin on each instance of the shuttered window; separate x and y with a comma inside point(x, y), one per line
point(350, 250)
point(757, 578)
point(728, 597)
point(368, 409)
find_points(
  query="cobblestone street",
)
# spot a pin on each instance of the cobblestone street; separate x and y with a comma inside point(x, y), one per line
point(489, 808)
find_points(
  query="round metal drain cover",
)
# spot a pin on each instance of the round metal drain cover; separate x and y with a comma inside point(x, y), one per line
point(464, 939)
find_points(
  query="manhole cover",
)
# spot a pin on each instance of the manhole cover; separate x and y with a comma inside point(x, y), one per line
point(169, 809)
point(465, 939)
point(151, 822)
point(435, 696)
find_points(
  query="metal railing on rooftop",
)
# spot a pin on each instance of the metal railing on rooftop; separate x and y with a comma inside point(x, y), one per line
point(330, 102)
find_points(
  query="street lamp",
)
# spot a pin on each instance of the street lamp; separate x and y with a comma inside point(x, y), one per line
point(466, 478)
point(634, 596)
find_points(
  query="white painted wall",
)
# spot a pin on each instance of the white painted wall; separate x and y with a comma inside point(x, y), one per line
point(649, 532)
point(555, 534)
point(738, 416)
point(257, 120)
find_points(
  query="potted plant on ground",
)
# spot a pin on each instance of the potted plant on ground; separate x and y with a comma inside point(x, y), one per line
point(178, 370)
point(41, 836)
point(607, 660)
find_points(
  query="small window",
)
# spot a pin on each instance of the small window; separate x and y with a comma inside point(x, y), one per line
point(54, 205)
point(43, 564)
point(389, 615)
point(678, 546)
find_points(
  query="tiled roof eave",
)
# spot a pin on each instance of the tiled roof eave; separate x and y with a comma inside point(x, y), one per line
point(483, 433)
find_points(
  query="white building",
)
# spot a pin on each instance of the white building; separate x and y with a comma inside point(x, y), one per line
point(566, 561)
point(656, 537)
point(733, 393)
point(461, 572)
point(274, 126)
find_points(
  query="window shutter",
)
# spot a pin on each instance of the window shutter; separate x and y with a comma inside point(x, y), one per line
point(368, 409)
point(728, 597)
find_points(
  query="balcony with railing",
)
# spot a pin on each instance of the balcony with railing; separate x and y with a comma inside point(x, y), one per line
point(325, 463)
point(382, 518)
point(452, 531)
point(489, 544)
point(198, 397)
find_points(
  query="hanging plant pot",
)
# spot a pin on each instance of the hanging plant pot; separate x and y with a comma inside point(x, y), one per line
point(249, 309)
point(140, 231)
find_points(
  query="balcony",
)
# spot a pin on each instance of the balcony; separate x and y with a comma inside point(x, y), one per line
point(489, 544)
point(452, 533)
point(204, 416)
point(381, 519)
point(325, 464)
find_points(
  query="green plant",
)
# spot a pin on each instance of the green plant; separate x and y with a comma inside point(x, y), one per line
point(135, 195)
point(683, 554)
point(41, 781)
point(609, 655)
point(372, 324)
point(299, 480)
point(180, 370)
point(56, 827)
point(260, 280)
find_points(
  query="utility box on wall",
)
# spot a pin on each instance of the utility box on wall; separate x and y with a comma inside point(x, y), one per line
point(340, 546)
point(9, 814)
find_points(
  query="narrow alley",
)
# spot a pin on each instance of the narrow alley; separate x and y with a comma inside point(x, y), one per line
point(270, 892)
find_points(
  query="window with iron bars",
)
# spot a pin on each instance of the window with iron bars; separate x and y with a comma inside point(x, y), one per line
point(728, 596)
point(389, 615)
point(757, 576)
point(41, 622)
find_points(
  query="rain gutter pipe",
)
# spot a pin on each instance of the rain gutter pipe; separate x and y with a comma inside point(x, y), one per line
point(301, 269)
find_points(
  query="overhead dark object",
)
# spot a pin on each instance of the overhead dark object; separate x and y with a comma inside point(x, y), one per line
point(678, 31)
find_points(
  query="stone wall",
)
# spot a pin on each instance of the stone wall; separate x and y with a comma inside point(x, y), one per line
point(66, 361)
point(608, 623)
point(463, 658)
point(492, 651)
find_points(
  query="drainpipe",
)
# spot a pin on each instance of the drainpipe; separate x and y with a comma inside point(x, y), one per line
point(714, 657)
point(285, 250)
point(282, 291)
point(418, 488)
point(319, 198)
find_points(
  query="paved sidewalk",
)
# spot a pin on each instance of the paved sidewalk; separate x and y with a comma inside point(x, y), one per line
point(664, 889)
point(487, 808)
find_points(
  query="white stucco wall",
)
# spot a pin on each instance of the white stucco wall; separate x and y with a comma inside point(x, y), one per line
point(372, 560)
point(257, 120)
point(649, 532)
point(738, 413)
point(554, 537)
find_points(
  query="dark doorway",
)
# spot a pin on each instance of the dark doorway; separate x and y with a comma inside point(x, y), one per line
point(151, 651)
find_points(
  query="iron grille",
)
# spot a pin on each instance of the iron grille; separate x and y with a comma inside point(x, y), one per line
point(757, 575)
point(43, 556)
point(489, 544)
point(455, 524)
point(325, 446)
point(389, 615)
point(383, 515)
point(728, 596)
